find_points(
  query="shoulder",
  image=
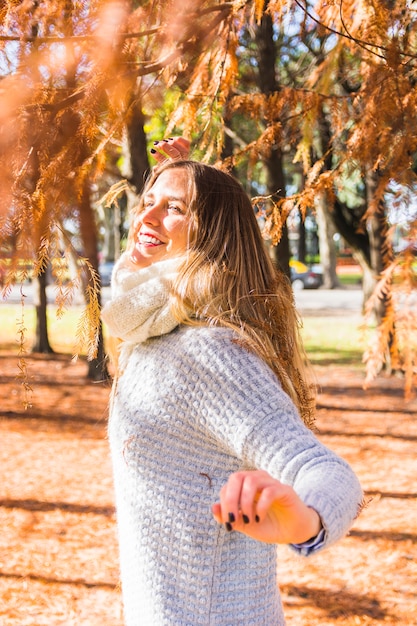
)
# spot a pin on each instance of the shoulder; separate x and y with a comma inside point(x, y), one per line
point(212, 357)
point(219, 353)
point(207, 351)
point(195, 340)
point(211, 338)
point(216, 343)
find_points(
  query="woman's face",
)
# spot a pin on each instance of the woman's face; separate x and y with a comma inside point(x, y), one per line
point(162, 229)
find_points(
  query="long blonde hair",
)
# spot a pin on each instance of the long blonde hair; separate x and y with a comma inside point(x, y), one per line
point(229, 280)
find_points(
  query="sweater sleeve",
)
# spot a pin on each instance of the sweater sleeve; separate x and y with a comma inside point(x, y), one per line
point(244, 407)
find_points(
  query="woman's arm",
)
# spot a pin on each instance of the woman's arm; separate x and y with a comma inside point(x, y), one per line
point(298, 483)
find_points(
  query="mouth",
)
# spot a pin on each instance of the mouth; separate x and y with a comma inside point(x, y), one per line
point(148, 240)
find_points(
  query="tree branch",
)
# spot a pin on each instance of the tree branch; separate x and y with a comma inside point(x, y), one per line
point(347, 35)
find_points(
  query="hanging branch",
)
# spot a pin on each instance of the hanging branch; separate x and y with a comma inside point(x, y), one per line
point(347, 35)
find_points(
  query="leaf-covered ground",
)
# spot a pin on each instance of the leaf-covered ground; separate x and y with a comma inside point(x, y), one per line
point(58, 550)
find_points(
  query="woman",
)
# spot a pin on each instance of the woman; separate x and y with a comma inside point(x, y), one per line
point(213, 465)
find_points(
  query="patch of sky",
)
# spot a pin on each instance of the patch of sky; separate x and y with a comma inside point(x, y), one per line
point(9, 57)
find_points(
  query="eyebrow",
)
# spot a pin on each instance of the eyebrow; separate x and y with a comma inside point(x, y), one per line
point(150, 194)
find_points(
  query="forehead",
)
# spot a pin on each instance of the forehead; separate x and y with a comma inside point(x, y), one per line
point(172, 182)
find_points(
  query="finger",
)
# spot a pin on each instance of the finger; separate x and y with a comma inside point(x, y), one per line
point(217, 512)
point(182, 144)
point(167, 148)
point(230, 499)
point(165, 154)
point(275, 495)
point(158, 156)
point(253, 486)
point(239, 496)
point(174, 148)
point(162, 151)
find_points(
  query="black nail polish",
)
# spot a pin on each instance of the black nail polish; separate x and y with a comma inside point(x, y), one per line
point(155, 143)
point(166, 140)
point(231, 518)
point(228, 527)
point(170, 138)
point(257, 518)
point(152, 151)
point(245, 519)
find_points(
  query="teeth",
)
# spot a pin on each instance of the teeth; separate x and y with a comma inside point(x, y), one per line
point(149, 239)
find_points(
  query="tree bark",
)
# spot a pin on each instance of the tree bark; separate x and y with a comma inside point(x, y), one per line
point(324, 210)
point(302, 249)
point(267, 55)
point(41, 343)
point(97, 367)
point(380, 250)
point(137, 162)
point(326, 242)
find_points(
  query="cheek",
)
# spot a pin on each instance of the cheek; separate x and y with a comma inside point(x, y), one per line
point(181, 238)
point(136, 223)
point(181, 235)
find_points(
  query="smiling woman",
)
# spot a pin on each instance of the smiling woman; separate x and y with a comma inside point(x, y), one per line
point(214, 461)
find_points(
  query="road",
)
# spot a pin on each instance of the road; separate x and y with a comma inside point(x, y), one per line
point(308, 301)
point(329, 301)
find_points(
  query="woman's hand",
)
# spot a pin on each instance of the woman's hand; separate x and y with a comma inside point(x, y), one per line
point(172, 149)
point(265, 509)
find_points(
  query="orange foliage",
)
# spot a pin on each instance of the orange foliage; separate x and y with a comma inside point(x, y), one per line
point(70, 72)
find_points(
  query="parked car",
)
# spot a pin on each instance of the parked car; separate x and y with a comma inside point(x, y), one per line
point(105, 270)
point(304, 277)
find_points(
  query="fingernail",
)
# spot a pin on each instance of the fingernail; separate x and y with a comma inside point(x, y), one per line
point(245, 519)
point(155, 143)
point(231, 518)
point(228, 527)
point(257, 518)
point(166, 140)
point(152, 151)
point(170, 138)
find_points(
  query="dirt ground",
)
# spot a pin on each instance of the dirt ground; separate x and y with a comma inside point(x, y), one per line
point(58, 550)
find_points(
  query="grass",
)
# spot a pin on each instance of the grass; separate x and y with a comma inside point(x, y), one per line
point(350, 279)
point(328, 340)
point(17, 320)
point(333, 340)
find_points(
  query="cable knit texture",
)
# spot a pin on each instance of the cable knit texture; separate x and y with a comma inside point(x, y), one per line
point(191, 407)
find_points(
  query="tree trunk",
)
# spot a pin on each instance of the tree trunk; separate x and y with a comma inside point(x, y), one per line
point(302, 250)
point(326, 242)
point(381, 256)
point(137, 163)
point(135, 166)
point(228, 141)
point(380, 250)
point(112, 229)
point(323, 208)
point(97, 367)
point(267, 54)
point(41, 343)
point(368, 279)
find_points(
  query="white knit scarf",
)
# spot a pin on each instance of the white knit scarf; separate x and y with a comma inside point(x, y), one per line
point(139, 308)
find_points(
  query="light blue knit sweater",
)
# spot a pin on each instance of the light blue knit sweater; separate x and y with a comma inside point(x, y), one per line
point(191, 407)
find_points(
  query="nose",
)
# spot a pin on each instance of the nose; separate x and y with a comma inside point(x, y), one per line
point(151, 214)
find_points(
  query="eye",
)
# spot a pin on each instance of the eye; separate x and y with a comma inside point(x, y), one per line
point(176, 208)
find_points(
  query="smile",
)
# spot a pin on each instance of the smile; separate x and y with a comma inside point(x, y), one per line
point(149, 240)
